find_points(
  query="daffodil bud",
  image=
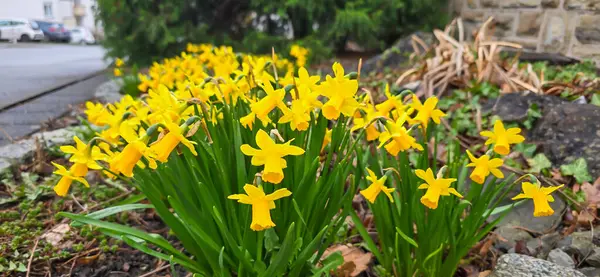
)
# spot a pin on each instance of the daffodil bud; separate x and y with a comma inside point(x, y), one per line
point(191, 120)
point(351, 75)
point(150, 131)
point(441, 172)
point(126, 115)
point(239, 77)
point(288, 88)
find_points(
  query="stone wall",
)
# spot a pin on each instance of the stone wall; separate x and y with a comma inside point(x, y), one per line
point(569, 27)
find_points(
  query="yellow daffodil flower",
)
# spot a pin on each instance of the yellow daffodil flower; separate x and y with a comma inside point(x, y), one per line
point(393, 102)
point(306, 81)
point(483, 167)
point(144, 82)
point(340, 93)
point(502, 138)
point(541, 198)
point(426, 111)
point(136, 148)
point(96, 113)
point(261, 205)
point(271, 156)
point(83, 156)
point(164, 146)
point(117, 72)
point(309, 98)
point(435, 188)
point(361, 122)
point(398, 137)
point(119, 62)
point(248, 120)
point(272, 100)
point(298, 116)
point(300, 54)
point(63, 185)
point(376, 186)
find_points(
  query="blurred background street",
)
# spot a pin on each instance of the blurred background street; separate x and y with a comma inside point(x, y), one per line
point(31, 69)
point(42, 81)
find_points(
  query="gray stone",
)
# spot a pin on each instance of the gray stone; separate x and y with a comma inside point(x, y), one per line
point(473, 16)
point(529, 23)
point(529, 3)
point(590, 271)
point(509, 3)
point(4, 165)
point(503, 24)
point(511, 235)
point(565, 132)
point(395, 56)
point(588, 30)
point(541, 246)
point(564, 243)
point(489, 3)
point(582, 244)
point(56, 138)
point(554, 35)
point(516, 265)
point(559, 257)
point(414, 86)
point(594, 258)
point(108, 91)
point(587, 52)
point(582, 4)
point(550, 3)
point(17, 151)
point(522, 215)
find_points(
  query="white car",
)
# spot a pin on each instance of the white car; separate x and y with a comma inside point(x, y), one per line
point(80, 35)
point(20, 29)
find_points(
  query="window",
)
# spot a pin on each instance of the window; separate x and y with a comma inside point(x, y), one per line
point(48, 10)
point(34, 25)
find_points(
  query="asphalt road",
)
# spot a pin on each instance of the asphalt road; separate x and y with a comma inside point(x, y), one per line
point(27, 70)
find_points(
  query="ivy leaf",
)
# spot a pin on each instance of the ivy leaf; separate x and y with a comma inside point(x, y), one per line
point(596, 99)
point(577, 169)
point(527, 149)
point(539, 163)
point(21, 267)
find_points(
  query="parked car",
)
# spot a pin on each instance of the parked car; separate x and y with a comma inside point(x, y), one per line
point(54, 31)
point(81, 35)
point(20, 29)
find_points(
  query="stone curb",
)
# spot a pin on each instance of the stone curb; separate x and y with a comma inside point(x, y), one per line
point(17, 152)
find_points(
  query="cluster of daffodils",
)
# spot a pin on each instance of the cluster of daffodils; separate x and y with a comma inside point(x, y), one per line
point(117, 71)
point(300, 53)
point(188, 92)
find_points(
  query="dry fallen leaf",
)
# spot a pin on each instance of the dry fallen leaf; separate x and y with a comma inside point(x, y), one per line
point(586, 217)
point(355, 260)
point(485, 273)
point(56, 234)
point(592, 192)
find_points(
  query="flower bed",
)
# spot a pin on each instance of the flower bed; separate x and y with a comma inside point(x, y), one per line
point(253, 163)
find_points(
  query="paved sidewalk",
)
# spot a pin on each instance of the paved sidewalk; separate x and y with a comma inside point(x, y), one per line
point(25, 119)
